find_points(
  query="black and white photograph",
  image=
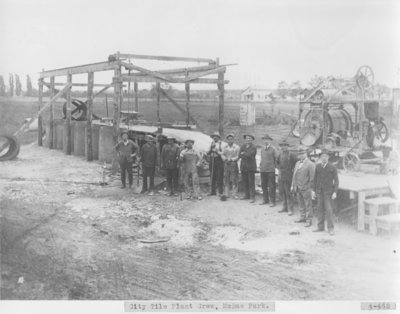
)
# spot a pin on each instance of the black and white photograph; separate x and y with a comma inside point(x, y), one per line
point(199, 156)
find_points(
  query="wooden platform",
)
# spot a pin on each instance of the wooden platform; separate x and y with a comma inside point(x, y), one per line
point(365, 186)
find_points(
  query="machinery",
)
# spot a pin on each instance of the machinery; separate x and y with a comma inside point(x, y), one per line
point(343, 116)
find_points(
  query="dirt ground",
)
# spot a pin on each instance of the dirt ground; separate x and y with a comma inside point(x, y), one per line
point(63, 236)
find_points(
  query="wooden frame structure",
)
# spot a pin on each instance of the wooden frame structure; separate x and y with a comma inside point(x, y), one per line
point(125, 70)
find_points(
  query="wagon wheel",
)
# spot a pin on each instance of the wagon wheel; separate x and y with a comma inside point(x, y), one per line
point(79, 110)
point(381, 132)
point(365, 77)
point(351, 162)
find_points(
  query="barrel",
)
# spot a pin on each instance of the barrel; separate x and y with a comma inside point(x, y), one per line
point(79, 138)
point(106, 143)
point(47, 141)
point(58, 138)
point(95, 141)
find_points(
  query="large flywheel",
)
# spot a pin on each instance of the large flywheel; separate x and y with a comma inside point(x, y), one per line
point(365, 77)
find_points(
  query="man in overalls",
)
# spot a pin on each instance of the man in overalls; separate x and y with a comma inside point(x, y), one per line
point(190, 160)
point(127, 151)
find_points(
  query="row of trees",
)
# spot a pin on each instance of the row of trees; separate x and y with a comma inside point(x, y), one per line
point(15, 86)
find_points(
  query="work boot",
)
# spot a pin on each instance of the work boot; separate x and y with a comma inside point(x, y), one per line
point(300, 220)
point(318, 230)
point(273, 204)
point(308, 224)
point(143, 191)
point(290, 213)
point(252, 200)
point(283, 210)
point(123, 187)
point(264, 202)
point(245, 198)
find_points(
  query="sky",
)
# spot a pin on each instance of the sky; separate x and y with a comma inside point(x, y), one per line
point(269, 41)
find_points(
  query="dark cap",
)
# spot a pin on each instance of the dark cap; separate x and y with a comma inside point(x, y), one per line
point(284, 143)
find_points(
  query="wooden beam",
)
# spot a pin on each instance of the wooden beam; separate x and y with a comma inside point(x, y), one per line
point(83, 84)
point(117, 108)
point(52, 100)
point(67, 129)
point(148, 79)
point(221, 104)
point(158, 101)
point(205, 73)
point(181, 110)
point(51, 116)
point(187, 89)
point(40, 118)
point(183, 71)
point(92, 67)
point(89, 103)
point(135, 88)
point(102, 90)
point(146, 71)
point(162, 58)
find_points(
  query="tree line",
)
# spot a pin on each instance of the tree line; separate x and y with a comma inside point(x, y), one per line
point(15, 86)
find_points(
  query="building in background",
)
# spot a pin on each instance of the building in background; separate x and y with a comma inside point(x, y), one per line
point(257, 93)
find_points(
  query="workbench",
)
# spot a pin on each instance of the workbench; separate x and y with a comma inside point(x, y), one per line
point(365, 186)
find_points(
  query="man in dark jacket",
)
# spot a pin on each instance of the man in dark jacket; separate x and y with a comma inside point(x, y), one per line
point(169, 162)
point(127, 151)
point(149, 159)
point(267, 169)
point(248, 167)
point(216, 165)
point(326, 184)
point(286, 163)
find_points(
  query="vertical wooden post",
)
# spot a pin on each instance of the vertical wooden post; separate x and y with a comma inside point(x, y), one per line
point(67, 129)
point(89, 137)
point(117, 112)
point(135, 88)
point(158, 102)
point(221, 103)
point(187, 89)
point(40, 119)
point(51, 117)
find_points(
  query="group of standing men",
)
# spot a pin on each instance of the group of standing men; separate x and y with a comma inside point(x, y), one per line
point(297, 174)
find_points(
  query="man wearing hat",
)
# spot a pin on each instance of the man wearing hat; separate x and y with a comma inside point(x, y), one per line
point(216, 165)
point(302, 185)
point(149, 159)
point(267, 168)
point(127, 150)
point(169, 162)
point(190, 160)
point(248, 167)
point(286, 162)
point(326, 184)
point(230, 156)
